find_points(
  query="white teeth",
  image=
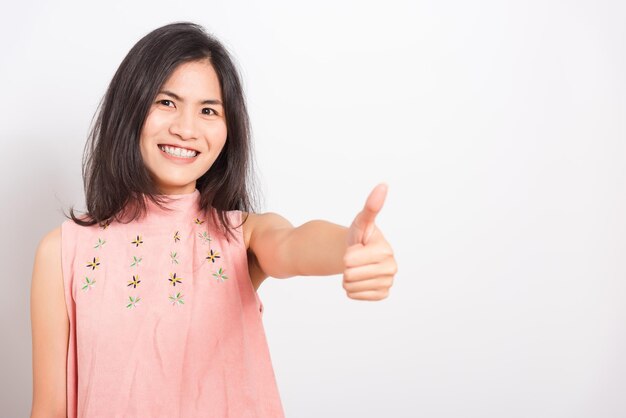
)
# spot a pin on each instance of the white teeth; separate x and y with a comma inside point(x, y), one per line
point(178, 152)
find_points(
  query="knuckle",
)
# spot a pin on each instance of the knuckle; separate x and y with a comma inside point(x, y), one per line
point(394, 269)
point(387, 251)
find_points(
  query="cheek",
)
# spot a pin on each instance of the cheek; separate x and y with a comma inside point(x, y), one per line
point(149, 131)
point(150, 127)
point(219, 134)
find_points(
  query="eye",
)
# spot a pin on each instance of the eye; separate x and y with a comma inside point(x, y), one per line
point(208, 110)
point(165, 102)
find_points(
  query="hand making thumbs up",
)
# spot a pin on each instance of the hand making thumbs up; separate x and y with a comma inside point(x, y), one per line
point(369, 264)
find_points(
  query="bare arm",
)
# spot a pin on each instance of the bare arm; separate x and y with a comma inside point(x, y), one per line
point(315, 248)
point(50, 329)
point(319, 248)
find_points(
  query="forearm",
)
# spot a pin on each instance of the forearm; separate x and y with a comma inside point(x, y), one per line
point(317, 247)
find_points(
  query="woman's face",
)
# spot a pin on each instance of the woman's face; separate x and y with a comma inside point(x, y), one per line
point(186, 116)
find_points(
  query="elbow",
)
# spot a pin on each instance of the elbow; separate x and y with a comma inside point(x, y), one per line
point(281, 270)
point(282, 275)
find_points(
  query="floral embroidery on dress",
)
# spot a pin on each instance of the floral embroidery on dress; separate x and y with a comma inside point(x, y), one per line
point(137, 241)
point(89, 283)
point(174, 279)
point(177, 299)
point(212, 256)
point(136, 261)
point(203, 235)
point(133, 301)
point(206, 238)
point(93, 264)
point(220, 275)
point(134, 282)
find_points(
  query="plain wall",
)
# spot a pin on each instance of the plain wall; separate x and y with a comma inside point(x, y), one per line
point(500, 127)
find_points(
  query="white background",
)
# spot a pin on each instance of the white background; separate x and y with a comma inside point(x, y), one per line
point(500, 128)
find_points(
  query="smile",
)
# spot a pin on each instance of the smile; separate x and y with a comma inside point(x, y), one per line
point(178, 152)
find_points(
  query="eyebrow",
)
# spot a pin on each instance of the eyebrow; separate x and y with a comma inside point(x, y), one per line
point(177, 97)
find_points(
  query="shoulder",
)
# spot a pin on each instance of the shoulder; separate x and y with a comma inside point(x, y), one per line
point(255, 224)
point(47, 276)
point(48, 254)
point(50, 244)
point(47, 266)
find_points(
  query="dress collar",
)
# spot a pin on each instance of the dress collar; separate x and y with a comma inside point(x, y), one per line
point(181, 205)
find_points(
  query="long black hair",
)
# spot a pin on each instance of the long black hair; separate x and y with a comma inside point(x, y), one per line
point(116, 181)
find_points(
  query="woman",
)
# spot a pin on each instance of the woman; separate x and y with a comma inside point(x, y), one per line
point(147, 305)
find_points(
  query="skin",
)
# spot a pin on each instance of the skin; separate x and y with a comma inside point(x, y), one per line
point(275, 247)
point(179, 118)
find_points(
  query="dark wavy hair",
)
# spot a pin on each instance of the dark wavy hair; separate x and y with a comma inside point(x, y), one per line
point(116, 181)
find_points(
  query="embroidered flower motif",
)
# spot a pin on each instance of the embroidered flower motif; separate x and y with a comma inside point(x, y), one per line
point(220, 275)
point(213, 255)
point(134, 282)
point(89, 283)
point(105, 224)
point(133, 301)
point(100, 243)
point(174, 279)
point(205, 237)
point(136, 261)
point(93, 264)
point(137, 241)
point(198, 221)
point(176, 237)
point(177, 299)
point(173, 255)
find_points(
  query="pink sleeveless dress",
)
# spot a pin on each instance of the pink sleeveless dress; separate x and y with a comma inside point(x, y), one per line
point(164, 320)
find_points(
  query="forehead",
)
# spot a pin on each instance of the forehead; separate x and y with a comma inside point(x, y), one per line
point(195, 79)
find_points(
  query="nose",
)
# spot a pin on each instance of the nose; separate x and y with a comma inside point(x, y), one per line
point(183, 125)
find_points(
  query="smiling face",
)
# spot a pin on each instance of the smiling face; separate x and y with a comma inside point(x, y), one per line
point(186, 116)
